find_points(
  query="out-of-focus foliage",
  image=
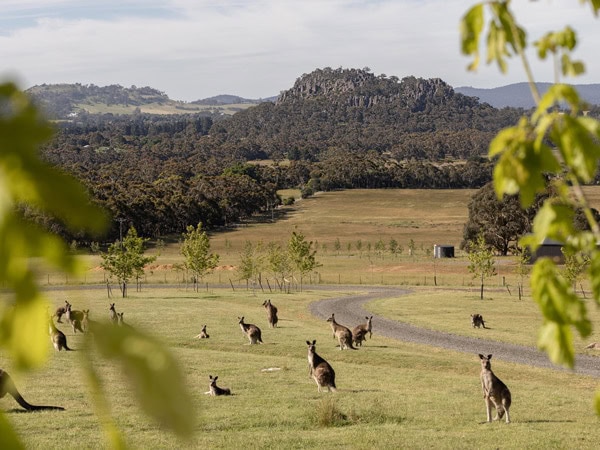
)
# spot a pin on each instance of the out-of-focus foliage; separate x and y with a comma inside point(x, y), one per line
point(25, 180)
point(557, 141)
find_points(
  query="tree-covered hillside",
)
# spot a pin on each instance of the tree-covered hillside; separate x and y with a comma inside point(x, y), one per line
point(355, 110)
point(334, 129)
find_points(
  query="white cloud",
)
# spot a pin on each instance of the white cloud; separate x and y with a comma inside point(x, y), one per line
point(193, 49)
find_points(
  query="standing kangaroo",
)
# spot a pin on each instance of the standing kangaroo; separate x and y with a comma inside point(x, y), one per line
point(343, 334)
point(112, 314)
point(73, 315)
point(359, 332)
point(215, 390)
point(477, 321)
point(271, 313)
point(7, 386)
point(494, 391)
point(57, 337)
point(121, 322)
point(61, 310)
point(251, 331)
point(85, 322)
point(203, 334)
point(319, 369)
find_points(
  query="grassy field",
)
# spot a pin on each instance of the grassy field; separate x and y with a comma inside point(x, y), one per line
point(391, 394)
point(171, 107)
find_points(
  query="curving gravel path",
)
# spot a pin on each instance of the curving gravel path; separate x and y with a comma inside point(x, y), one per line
point(349, 309)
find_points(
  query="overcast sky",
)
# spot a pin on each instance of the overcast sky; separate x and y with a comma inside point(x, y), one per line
point(193, 49)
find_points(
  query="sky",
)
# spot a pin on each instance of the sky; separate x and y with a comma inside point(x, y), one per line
point(194, 49)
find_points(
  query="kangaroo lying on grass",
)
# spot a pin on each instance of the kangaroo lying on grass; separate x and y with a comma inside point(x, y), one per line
point(319, 369)
point(494, 391)
point(477, 321)
point(215, 390)
point(203, 334)
point(343, 334)
point(271, 313)
point(251, 331)
point(57, 337)
point(7, 386)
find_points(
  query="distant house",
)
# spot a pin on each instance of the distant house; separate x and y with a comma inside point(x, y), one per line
point(550, 249)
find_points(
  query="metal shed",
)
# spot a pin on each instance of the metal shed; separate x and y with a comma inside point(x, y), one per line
point(443, 251)
point(549, 248)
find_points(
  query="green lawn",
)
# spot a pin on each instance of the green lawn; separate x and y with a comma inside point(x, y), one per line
point(391, 394)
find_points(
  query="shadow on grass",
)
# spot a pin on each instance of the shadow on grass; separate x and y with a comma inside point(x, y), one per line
point(531, 421)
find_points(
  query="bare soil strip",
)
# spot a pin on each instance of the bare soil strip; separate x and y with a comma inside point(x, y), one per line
point(350, 312)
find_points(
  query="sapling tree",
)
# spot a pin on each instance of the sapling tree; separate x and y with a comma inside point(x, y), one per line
point(252, 262)
point(196, 250)
point(481, 261)
point(302, 255)
point(125, 259)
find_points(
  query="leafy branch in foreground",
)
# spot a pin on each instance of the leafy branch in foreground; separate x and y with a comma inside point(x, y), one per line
point(558, 142)
point(25, 179)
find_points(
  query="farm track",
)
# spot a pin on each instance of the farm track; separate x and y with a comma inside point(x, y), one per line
point(349, 310)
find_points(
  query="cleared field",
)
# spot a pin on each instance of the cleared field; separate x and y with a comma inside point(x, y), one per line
point(391, 394)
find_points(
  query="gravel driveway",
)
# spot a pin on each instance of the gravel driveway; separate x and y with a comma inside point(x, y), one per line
point(349, 310)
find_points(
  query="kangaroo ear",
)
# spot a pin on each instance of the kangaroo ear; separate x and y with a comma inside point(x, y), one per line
point(307, 342)
point(489, 356)
point(314, 341)
point(215, 378)
point(481, 356)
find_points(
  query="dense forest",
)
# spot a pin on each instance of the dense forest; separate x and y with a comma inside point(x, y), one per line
point(334, 129)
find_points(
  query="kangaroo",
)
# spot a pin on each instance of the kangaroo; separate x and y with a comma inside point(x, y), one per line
point(319, 369)
point(215, 390)
point(85, 322)
point(203, 334)
point(60, 311)
point(477, 321)
point(358, 336)
point(251, 331)
point(112, 314)
point(494, 391)
point(271, 313)
point(57, 337)
point(73, 315)
point(343, 334)
point(121, 322)
point(76, 323)
point(359, 332)
point(7, 386)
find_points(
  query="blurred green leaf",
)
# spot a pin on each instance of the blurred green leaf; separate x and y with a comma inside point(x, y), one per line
point(561, 309)
point(8, 438)
point(554, 220)
point(471, 26)
point(557, 341)
point(594, 269)
point(522, 163)
point(153, 372)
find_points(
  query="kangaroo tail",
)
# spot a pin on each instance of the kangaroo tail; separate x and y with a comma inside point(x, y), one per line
point(10, 387)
